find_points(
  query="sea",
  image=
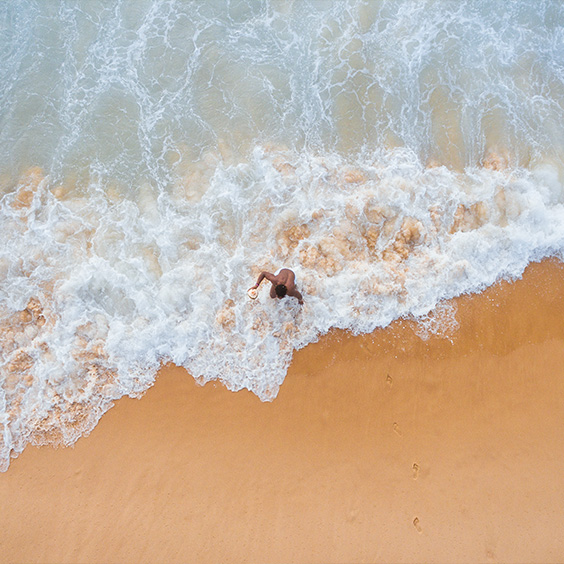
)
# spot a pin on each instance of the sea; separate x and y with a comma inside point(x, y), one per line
point(157, 155)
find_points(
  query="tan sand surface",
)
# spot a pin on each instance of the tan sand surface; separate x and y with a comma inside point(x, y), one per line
point(383, 448)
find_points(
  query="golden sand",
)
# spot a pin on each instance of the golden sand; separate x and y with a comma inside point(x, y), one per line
point(383, 448)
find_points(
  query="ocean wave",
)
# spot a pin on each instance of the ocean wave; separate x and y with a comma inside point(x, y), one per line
point(99, 292)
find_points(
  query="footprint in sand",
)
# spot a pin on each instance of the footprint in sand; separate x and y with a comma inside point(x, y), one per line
point(397, 430)
point(353, 514)
point(417, 525)
point(415, 469)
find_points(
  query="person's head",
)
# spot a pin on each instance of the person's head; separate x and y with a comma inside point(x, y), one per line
point(280, 290)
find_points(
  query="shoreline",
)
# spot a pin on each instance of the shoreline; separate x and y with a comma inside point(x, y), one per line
point(379, 448)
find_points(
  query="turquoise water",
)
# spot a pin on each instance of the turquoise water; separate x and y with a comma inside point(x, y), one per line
point(157, 155)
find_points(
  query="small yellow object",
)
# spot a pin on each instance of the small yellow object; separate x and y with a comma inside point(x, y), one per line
point(253, 293)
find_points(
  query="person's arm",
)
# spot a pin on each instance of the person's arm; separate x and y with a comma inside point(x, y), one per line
point(296, 294)
point(262, 276)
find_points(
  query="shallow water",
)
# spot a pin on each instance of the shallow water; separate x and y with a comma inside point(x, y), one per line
point(157, 155)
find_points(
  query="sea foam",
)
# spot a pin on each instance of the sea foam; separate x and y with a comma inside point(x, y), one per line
point(99, 292)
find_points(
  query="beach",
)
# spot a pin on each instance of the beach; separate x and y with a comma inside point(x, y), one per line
point(379, 448)
point(404, 159)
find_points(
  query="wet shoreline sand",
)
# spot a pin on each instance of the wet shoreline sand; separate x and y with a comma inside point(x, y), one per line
point(381, 448)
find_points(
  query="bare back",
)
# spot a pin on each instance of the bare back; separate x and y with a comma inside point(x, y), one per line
point(284, 277)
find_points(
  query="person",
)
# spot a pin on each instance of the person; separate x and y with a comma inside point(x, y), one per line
point(283, 284)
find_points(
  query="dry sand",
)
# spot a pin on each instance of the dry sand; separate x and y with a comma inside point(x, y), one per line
point(384, 448)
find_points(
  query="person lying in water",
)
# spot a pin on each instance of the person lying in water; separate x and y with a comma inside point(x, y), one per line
point(283, 284)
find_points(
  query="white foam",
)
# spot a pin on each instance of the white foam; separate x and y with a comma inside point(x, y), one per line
point(369, 242)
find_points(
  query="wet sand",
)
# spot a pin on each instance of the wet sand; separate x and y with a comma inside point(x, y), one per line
point(382, 448)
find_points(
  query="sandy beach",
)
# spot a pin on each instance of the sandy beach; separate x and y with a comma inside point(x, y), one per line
point(157, 157)
point(381, 448)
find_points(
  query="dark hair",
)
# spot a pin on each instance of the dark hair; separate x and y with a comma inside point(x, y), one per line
point(280, 290)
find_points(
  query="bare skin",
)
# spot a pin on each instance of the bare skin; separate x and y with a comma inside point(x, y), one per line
point(286, 278)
